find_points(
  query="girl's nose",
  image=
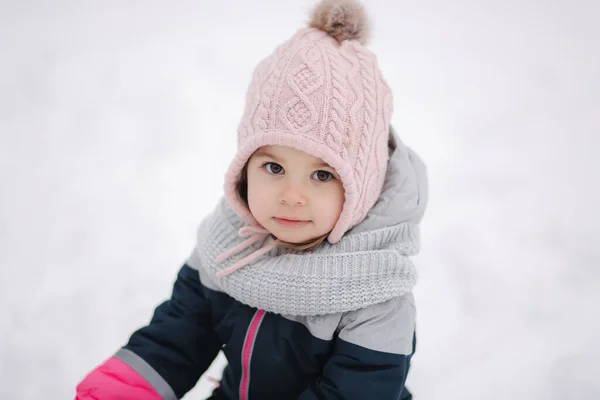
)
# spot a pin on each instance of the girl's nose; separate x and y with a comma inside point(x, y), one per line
point(293, 197)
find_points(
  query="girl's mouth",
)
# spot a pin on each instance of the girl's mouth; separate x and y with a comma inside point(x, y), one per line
point(291, 223)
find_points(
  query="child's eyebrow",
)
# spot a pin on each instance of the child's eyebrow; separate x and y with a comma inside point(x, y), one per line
point(264, 153)
point(321, 164)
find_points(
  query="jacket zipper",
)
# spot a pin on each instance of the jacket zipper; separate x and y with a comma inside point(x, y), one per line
point(247, 352)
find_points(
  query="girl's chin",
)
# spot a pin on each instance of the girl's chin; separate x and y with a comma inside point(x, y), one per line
point(292, 237)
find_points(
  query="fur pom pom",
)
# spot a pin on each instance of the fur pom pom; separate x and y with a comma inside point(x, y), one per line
point(342, 20)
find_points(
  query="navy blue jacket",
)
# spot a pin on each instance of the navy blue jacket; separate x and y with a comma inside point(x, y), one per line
point(269, 356)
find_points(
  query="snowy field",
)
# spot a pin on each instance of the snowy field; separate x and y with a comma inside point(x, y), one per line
point(118, 120)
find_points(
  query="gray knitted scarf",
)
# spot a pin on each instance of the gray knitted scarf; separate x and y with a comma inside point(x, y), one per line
point(369, 265)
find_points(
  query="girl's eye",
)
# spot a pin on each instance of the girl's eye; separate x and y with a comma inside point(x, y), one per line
point(274, 168)
point(322, 176)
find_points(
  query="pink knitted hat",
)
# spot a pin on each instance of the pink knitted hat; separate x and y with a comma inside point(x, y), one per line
point(321, 92)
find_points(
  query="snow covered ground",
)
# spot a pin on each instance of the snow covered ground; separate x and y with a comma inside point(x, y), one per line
point(118, 119)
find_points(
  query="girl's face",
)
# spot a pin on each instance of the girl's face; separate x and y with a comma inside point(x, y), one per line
point(295, 196)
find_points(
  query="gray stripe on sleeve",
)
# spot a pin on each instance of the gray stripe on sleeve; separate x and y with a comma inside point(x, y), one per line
point(147, 372)
point(387, 326)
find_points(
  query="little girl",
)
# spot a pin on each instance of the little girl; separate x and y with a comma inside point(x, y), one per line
point(301, 275)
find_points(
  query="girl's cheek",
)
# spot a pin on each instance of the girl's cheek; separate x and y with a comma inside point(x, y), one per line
point(260, 180)
point(335, 189)
point(263, 190)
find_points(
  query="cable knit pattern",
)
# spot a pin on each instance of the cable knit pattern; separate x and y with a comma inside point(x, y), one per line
point(337, 111)
point(370, 104)
point(355, 96)
point(325, 98)
point(362, 269)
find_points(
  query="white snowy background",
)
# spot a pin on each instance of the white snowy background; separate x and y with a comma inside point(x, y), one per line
point(118, 120)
